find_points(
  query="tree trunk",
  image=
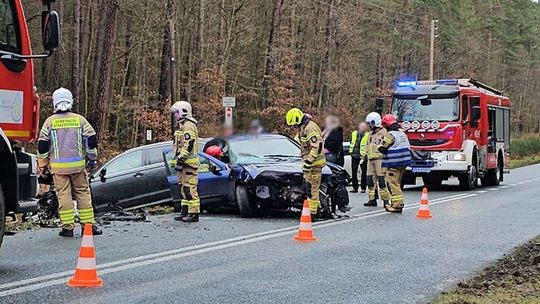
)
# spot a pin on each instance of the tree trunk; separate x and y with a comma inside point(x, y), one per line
point(269, 57)
point(76, 59)
point(105, 69)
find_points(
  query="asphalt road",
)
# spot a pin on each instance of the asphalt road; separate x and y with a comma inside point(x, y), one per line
point(371, 257)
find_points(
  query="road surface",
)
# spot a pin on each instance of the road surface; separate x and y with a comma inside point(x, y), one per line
point(372, 257)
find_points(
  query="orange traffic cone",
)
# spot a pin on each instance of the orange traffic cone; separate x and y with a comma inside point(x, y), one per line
point(86, 272)
point(423, 211)
point(305, 231)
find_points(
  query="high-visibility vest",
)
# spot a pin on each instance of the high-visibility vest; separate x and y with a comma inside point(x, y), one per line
point(399, 154)
point(363, 142)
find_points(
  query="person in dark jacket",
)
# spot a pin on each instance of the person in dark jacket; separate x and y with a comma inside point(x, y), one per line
point(333, 141)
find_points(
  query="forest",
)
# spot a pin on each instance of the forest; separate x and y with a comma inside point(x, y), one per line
point(126, 61)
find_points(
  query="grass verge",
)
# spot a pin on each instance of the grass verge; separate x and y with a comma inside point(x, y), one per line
point(515, 278)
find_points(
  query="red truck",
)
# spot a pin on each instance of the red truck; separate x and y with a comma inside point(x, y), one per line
point(19, 105)
point(456, 127)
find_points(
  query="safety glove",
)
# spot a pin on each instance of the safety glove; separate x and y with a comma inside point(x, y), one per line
point(179, 165)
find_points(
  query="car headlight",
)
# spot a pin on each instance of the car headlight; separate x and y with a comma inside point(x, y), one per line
point(457, 156)
point(262, 192)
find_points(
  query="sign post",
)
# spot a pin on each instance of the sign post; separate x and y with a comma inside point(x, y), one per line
point(229, 103)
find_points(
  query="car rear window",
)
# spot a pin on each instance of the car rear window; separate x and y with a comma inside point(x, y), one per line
point(155, 155)
point(125, 162)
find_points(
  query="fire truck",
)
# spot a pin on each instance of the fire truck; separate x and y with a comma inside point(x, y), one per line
point(19, 105)
point(457, 128)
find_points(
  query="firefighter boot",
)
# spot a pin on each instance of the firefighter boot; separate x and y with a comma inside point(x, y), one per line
point(386, 203)
point(183, 213)
point(391, 209)
point(371, 203)
point(191, 218)
point(66, 233)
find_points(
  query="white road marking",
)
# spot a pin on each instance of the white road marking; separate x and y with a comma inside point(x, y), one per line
point(493, 189)
point(521, 183)
point(504, 187)
point(481, 191)
point(513, 185)
point(159, 257)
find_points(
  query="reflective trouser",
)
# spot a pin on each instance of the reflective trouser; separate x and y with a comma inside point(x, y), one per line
point(376, 174)
point(393, 178)
point(69, 187)
point(188, 180)
point(312, 178)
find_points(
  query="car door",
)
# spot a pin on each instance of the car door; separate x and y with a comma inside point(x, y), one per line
point(120, 182)
point(156, 175)
point(214, 181)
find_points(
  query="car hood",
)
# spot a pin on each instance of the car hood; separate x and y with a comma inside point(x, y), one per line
point(279, 168)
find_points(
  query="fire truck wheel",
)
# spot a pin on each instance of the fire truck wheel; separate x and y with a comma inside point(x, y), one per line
point(469, 180)
point(2, 215)
point(493, 176)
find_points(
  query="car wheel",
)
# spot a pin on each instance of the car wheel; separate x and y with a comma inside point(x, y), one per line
point(242, 199)
point(2, 215)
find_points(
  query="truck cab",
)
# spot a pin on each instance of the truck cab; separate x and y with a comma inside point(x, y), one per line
point(456, 127)
point(19, 105)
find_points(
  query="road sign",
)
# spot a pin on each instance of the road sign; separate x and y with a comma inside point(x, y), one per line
point(229, 116)
point(229, 102)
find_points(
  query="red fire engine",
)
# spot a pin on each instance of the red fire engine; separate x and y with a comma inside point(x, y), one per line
point(456, 127)
point(19, 104)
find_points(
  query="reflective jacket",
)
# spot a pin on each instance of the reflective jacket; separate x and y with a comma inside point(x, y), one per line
point(186, 143)
point(377, 138)
point(311, 142)
point(358, 149)
point(399, 153)
point(64, 141)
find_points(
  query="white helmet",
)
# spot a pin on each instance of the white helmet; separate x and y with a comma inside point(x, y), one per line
point(181, 110)
point(374, 119)
point(62, 100)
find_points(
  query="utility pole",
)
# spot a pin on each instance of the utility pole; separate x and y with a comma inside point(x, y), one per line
point(432, 48)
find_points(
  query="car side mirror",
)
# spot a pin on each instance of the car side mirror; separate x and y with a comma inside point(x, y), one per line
point(50, 29)
point(214, 169)
point(102, 174)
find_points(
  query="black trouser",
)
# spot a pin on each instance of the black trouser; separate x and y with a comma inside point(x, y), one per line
point(355, 162)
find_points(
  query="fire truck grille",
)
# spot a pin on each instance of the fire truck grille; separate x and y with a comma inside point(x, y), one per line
point(427, 142)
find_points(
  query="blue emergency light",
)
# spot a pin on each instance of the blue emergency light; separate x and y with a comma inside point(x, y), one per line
point(406, 83)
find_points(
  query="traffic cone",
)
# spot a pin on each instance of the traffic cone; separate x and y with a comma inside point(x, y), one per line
point(86, 272)
point(423, 211)
point(305, 231)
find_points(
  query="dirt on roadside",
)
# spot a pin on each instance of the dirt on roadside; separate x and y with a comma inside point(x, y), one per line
point(515, 278)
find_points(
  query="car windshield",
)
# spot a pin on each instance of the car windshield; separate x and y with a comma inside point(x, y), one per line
point(261, 150)
point(426, 107)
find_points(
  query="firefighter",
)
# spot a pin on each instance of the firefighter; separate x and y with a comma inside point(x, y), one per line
point(397, 156)
point(185, 147)
point(375, 172)
point(313, 160)
point(67, 145)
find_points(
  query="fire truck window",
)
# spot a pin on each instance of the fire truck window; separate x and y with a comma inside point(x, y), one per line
point(465, 107)
point(506, 128)
point(491, 122)
point(9, 37)
point(434, 107)
point(499, 125)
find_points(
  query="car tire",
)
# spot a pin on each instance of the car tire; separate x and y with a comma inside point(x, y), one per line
point(2, 215)
point(245, 208)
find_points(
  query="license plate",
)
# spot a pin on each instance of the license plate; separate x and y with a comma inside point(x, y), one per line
point(421, 170)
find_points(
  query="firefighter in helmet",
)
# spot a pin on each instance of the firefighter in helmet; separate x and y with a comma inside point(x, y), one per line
point(185, 147)
point(397, 156)
point(313, 160)
point(67, 145)
point(375, 172)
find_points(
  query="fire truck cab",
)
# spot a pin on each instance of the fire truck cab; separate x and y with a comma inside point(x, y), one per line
point(457, 128)
point(19, 105)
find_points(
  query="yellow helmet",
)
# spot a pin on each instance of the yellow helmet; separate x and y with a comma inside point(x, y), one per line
point(294, 117)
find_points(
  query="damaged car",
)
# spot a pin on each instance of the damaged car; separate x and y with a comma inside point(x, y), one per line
point(264, 172)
